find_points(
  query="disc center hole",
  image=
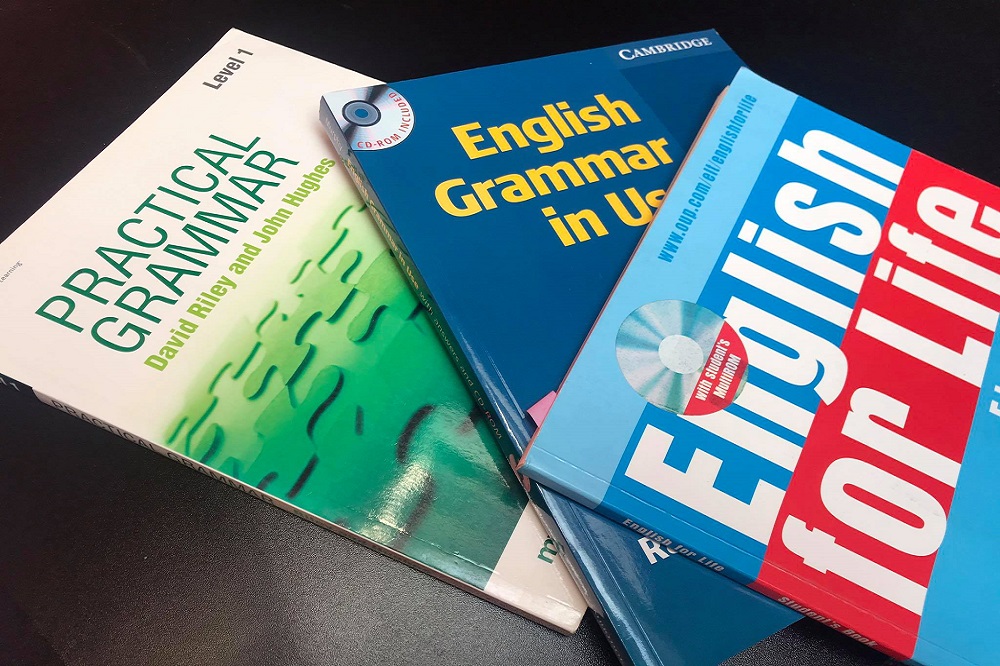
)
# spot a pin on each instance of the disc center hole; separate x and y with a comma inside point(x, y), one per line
point(681, 354)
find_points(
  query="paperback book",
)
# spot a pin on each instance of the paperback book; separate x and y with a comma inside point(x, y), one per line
point(795, 378)
point(513, 196)
point(211, 288)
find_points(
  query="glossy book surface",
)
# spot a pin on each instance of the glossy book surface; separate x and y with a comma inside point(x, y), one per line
point(796, 377)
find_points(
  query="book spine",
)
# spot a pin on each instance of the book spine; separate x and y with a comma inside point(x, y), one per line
point(589, 579)
point(617, 646)
point(586, 579)
point(500, 421)
point(543, 508)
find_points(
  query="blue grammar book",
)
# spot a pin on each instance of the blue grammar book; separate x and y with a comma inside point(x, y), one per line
point(513, 197)
point(797, 379)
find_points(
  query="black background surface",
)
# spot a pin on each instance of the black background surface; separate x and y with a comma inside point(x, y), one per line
point(110, 554)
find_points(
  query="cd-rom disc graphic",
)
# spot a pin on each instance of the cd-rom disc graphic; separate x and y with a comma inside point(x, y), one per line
point(372, 118)
point(681, 357)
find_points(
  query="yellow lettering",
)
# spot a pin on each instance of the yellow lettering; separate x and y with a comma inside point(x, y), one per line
point(469, 141)
point(543, 131)
point(657, 146)
point(519, 190)
point(601, 160)
point(640, 159)
point(497, 134)
point(482, 191)
point(471, 205)
point(596, 121)
point(554, 173)
point(615, 109)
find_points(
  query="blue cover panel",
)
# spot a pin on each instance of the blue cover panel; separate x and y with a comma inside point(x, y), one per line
point(514, 302)
point(518, 301)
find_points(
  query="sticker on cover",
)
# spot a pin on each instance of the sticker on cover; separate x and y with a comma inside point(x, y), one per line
point(372, 118)
point(681, 357)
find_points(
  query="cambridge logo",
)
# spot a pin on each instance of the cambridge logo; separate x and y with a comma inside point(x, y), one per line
point(372, 118)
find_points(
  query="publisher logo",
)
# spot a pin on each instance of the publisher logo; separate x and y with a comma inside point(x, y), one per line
point(660, 49)
point(373, 118)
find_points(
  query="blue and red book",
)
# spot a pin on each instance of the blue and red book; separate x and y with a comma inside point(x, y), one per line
point(796, 379)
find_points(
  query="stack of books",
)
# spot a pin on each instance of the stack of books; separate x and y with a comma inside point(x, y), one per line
point(383, 320)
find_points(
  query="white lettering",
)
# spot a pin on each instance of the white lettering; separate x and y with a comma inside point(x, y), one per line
point(695, 488)
point(906, 538)
point(821, 552)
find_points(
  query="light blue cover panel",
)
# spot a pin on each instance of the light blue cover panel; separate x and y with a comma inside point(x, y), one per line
point(841, 453)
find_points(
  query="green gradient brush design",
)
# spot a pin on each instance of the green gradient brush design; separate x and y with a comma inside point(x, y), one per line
point(341, 399)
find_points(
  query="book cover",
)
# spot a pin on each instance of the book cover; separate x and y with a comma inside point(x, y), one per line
point(211, 287)
point(513, 288)
point(513, 195)
point(795, 378)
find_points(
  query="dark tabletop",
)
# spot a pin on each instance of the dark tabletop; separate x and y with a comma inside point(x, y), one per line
point(110, 554)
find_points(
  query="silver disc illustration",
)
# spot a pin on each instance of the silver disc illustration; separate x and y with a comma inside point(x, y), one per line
point(372, 118)
point(668, 350)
